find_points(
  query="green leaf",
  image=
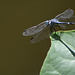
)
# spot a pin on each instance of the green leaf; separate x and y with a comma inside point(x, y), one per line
point(60, 59)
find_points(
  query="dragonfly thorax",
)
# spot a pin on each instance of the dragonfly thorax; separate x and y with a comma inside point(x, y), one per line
point(53, 22)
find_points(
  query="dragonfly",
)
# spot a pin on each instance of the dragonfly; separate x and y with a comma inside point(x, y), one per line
point(45, 29)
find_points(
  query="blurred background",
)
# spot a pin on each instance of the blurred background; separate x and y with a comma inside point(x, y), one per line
point(17, 55)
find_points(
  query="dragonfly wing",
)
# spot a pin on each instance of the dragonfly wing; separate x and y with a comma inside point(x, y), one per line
point(62, 26)
point(35, 29)
point(66, 26)
point(65, 15)
point(41, 35)
point(72, 19)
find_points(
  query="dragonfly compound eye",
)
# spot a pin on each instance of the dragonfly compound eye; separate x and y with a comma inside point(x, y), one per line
point(47, 22)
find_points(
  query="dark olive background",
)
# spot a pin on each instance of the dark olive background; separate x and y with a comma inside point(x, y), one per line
point(17, 55)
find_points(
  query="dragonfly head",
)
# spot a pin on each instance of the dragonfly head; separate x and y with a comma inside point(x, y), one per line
point(47, 22)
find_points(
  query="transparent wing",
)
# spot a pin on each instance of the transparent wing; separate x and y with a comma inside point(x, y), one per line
point(35, 29)
point(62, 26)
point(72, 19)
point(66, 26)
point(41, 35)
point(65, 15)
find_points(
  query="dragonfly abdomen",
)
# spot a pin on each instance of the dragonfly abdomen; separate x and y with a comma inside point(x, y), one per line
point(71, 23)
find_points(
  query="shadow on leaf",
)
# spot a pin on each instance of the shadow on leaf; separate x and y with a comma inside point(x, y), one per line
point(56, 37)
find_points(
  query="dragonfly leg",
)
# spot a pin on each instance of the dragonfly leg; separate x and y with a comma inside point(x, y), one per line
point(51, 29)
point(54, 29)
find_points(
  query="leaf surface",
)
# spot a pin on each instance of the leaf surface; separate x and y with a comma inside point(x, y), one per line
point(60, 59)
